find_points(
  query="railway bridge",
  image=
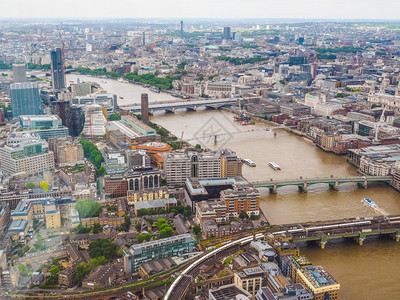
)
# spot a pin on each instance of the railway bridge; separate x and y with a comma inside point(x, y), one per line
point(333, 182)
point(171, 107)
point(357, 228)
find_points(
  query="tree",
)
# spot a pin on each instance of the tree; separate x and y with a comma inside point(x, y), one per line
point(140, 238)
point(115, 117)
point(88, 208)
point(80, 272)
point(81, 229)
point(187, 211)
point(160, 221)
point(147, 237)
point(198, 146)
point(165, 225)
point(243, 215)
point(102, 171)
point(44, 185)
point(30, 185)
point(22, 270)
point(196, 229)
point(103, 247)
point(166, 232)
point(96, 228)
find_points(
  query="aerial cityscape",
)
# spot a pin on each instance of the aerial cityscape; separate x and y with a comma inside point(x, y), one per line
point(173, 154)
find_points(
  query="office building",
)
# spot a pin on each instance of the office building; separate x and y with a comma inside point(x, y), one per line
point(227, 33)
point(145, 108)
point(118, 186)
point(19, 73)
point(46, 126)
point(53, 216)
point(27, 158)
point(25, 99)
point(76, 119)
point(250, 279)
point(320, 282)
point(180, 165)
point(18, 230)
point(229, 291)
point(162, 248)
point(57, 69)
point(95, 122)
point(138, 159)
point(67, 152)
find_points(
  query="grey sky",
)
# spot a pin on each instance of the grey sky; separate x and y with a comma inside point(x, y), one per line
point(330, 9)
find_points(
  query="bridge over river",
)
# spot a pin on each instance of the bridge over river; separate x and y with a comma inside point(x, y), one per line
point(193, 105)
point(334, 182)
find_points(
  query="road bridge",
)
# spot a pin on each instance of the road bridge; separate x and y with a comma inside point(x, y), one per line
point(333, 182)
point(357, 228)
point(193, 105)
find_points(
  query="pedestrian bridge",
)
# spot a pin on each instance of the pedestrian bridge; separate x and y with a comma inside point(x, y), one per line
point(333, 182)
point(171, 107)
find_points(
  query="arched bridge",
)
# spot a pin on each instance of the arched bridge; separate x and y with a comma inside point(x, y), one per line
point(189, 105)
point(334, 182)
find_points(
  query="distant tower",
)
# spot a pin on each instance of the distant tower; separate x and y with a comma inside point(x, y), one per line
point(19, 73)
point(145, 108)
point(227, 33)
point(25, 99)
point(144, 39)
point(181, 29)
point(57, 69)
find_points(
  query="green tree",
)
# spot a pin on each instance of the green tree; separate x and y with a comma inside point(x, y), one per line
point(196, 229)
point(88, 208)
point(139, 116)
point(160, 221)
point(187, 211)
point(30, 185)
point(115, 117)
point(96, 228)
point(80, 272)
point(102, 171)
point(103, 247)
point(44, 185)
point(198, 146)
point(22, 270)
point(243, 215)
point(81, 229)
point(147, 237)
point(140, 238)
point(166, 232)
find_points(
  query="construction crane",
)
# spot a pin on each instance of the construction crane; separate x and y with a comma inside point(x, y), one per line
point(180, 144)
point(381, 120)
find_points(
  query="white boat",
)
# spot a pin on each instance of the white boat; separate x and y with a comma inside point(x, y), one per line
point(274, 166)
point(370, 203)
point(249, 162)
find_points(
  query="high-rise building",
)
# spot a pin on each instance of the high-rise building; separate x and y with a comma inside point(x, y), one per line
point(76, 119)
point(178, 166)
point(144, 39)
point(145, 108)
point(27, 158)
point(181, 29)
point(57, 69)
point(95, 122)
point(25, 99)
point(227, 33)
point(19, 73)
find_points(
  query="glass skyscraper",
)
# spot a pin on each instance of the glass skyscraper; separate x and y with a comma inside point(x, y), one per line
point(57, 70)
point(25, 99)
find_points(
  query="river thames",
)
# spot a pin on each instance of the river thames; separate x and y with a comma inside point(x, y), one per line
point(364, 272)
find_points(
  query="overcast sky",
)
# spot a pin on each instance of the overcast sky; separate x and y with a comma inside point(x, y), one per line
point(99, 9)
